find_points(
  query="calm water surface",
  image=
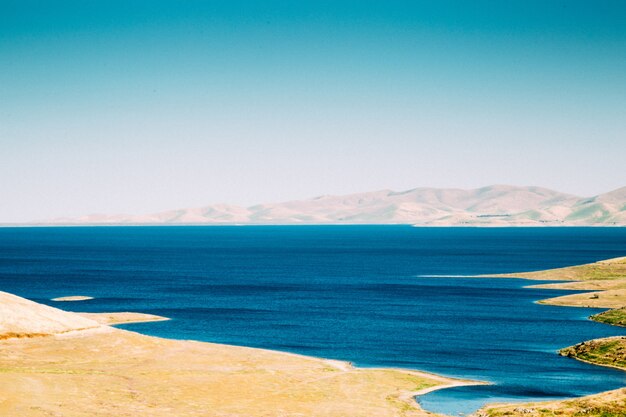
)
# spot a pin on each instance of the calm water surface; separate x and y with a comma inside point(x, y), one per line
point(358, 293)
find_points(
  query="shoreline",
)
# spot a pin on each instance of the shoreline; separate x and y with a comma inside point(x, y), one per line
point(598, 364)
point(159, 362)
point(595, 284)
point(119, 372)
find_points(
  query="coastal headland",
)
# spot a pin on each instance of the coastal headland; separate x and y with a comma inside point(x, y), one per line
point(605, 282)
point(59, 363)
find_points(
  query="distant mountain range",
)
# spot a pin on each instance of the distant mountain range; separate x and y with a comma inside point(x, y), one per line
point(497, 205)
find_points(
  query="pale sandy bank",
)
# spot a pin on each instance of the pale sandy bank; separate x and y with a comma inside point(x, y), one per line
point(122, 318)
point(73, 298)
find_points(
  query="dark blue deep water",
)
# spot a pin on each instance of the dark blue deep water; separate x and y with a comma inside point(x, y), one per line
point(356, 293)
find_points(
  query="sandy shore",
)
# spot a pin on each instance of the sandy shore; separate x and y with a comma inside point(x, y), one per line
point(66, 364)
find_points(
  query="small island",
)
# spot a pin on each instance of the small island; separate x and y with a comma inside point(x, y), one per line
point(73, 298)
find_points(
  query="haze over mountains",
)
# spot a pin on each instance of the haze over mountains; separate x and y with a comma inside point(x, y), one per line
point(497, 205)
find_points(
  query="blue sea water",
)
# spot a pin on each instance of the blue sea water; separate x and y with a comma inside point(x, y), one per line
point(366, 294)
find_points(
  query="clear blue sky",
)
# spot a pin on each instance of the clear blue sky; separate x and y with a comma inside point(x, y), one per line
point(122, 106)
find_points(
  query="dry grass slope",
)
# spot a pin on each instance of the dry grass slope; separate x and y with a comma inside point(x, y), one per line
point(615, 317)
point(607, 280)
point(610, 351)
point(604, 270)
point(606, 404)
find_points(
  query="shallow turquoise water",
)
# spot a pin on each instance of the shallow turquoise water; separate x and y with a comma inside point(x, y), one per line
point(358, 293)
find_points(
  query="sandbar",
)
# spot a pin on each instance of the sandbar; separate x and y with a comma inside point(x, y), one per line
point(73, 298)
point(122, 317)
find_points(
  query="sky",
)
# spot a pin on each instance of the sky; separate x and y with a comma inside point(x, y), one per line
point(133, 106)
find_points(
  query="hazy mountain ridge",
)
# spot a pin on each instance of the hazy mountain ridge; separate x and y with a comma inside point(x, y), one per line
point(497, 205)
